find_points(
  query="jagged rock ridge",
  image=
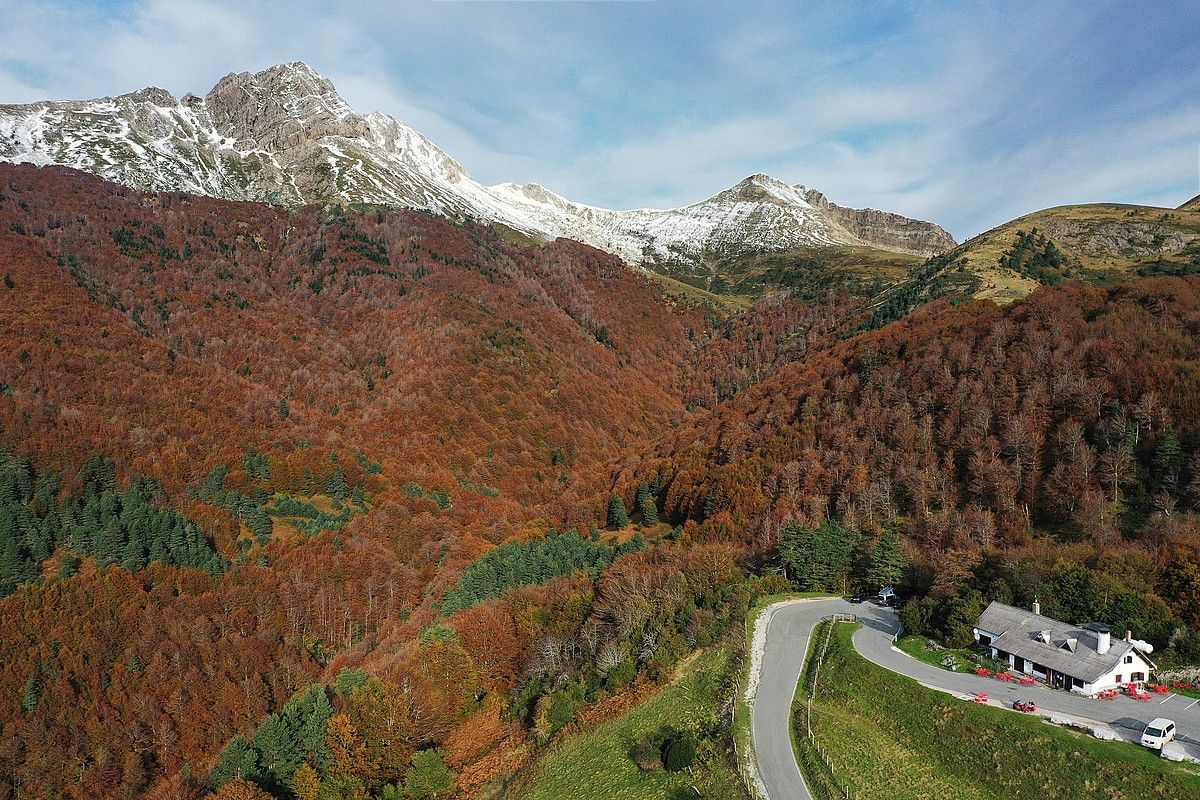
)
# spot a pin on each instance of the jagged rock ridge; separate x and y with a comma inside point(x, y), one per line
point(285, 135)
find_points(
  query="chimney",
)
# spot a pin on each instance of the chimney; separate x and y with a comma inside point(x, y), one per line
point(1128, 635)
point(1037, 607)
point(1103, 640)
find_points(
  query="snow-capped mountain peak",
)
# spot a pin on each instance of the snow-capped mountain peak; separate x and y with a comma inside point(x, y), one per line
point(761, 188)
point(280, 108)
point(285, 135)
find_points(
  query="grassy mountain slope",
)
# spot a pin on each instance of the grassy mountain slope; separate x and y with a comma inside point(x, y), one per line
point(1099, 244)
point(597, 762)
point(807, 272)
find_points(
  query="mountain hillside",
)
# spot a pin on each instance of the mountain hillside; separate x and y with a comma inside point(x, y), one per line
point(1191, 205)
point(284, 135)
point(1049, 447)
point(1100, 244)
point(430, 335)
point(240, 442)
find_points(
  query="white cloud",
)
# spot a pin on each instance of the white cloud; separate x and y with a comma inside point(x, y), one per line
point(14, 90)
point(966, 116)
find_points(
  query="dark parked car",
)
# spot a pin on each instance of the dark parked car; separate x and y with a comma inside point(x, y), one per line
point(858, 598)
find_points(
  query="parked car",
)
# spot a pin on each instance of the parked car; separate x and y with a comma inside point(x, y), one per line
point(858, 598)
point(1158, 733)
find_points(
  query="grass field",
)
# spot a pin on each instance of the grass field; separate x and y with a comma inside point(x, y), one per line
point(888, 735)
point(694, 294)
point(1080, 231)
point(966, 660)
point(595, 764)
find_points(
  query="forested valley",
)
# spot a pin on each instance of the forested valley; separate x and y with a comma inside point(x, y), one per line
point(365, 503)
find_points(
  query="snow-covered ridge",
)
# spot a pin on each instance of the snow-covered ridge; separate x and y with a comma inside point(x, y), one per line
point(285, 135)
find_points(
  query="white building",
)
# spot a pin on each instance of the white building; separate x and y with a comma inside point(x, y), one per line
point(1082, 658)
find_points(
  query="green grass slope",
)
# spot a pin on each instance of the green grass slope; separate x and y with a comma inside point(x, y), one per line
point(1099, 244)
point(889, 736)
point(596, 763)
point(807, 272)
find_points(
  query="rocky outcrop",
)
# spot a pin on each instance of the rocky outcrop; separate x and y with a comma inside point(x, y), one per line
point(280, 108)
point(885, 230)
point(1103, 238)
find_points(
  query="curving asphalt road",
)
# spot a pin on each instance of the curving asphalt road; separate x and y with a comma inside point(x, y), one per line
point(787, 637)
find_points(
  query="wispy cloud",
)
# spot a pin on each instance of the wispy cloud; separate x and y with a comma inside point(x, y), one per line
point(968, 115)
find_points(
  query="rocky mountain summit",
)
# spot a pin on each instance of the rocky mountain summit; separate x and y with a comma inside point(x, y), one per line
point(284, 135)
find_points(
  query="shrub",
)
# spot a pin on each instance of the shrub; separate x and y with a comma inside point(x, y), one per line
point(679, 750)
point(647, 754)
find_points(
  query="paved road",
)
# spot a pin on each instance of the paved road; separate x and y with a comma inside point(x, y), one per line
point(770, 715)
point(787, 642)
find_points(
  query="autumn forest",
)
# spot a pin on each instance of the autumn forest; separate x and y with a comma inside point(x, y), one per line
point(354, 502)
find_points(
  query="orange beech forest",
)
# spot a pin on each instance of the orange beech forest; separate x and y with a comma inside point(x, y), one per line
point(341, 502)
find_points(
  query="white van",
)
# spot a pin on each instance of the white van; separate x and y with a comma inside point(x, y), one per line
point(1158, 733)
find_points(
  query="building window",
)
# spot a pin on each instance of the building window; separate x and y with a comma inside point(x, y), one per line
point(1119, 678)
point(1137, 677)
point(1128, 659)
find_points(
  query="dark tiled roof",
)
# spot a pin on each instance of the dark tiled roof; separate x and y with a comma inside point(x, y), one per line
point(1071, 649)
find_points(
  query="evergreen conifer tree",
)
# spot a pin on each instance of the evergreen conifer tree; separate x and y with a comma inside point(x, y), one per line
point(317, 710)
point(649, 511)
point(335, 485)
point(887, 562)
point(279, 750)
point(428, 776)
point(618, 517)
point(68, 565)
point(237, 760)
point(31, 694)
point(1167, 459)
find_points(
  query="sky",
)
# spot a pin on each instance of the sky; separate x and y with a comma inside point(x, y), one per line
point(968, 115)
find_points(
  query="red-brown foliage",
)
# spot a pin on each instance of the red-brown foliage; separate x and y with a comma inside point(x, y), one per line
point(974, 422)
point(170, 332)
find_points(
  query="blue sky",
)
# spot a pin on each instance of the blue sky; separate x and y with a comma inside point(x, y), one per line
point(968, 116)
